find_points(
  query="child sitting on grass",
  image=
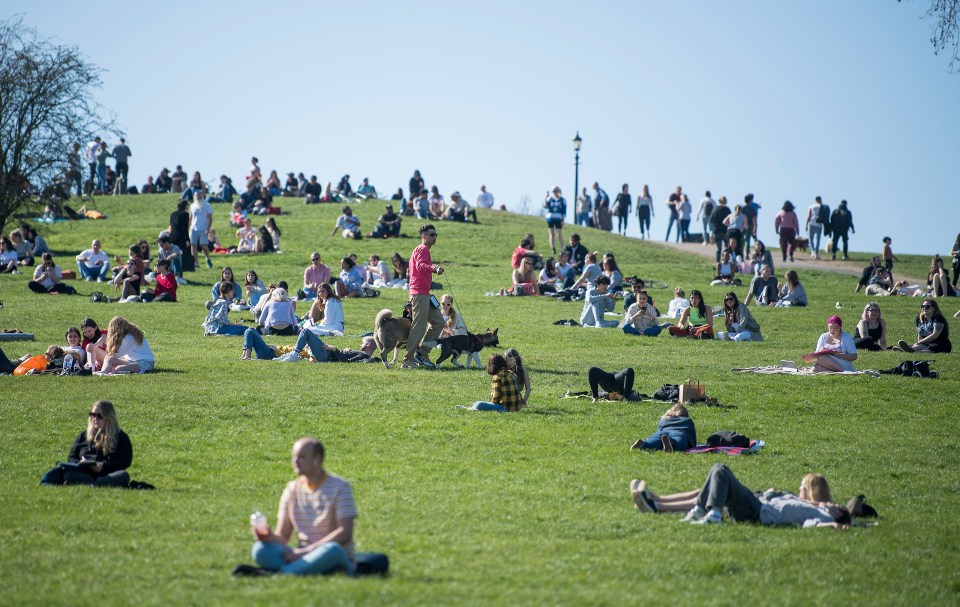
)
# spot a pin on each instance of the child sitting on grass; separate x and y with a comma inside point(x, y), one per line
point(675, 432)
point(166, 289)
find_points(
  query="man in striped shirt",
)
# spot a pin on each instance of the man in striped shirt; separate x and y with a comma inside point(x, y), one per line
point(317, 505)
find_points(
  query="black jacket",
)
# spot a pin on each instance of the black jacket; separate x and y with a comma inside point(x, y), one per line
point(120, 459)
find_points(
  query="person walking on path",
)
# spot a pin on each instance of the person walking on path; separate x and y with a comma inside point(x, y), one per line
point(622, 207)
point(841, 222)
point(424, 312)
point(121, 153)
point(814, 226)
point(787, 226)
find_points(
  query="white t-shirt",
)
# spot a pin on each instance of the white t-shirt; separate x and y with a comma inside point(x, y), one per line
point(485, 200)
point(47, 282)
point(677, 306)
point(199, 213)
point(814, 214)
point(131, 351)
point(93, 259)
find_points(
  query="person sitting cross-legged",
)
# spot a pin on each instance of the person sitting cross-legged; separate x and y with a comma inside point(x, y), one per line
point(319, 507)
point(94, 263)
point(596, 303)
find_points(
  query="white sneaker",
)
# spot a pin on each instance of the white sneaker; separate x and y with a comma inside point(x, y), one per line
point(694, 515)
point(290, 357)
point(712, 518)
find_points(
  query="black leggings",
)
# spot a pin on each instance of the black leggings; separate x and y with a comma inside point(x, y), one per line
point(621, 381)
point(6, 365)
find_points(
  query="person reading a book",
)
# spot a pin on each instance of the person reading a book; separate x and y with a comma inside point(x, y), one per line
point(100, 455)
point(835, 351)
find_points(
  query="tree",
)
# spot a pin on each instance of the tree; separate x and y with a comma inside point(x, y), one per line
point(46, 104)
point(946, 30)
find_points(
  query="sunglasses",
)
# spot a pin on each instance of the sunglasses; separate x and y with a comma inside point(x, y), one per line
point(96, 415)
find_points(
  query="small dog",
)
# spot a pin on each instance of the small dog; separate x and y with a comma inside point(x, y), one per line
point(390, 333)
point(471, 344)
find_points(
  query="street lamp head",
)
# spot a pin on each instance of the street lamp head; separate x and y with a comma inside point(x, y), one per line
point(576, 142)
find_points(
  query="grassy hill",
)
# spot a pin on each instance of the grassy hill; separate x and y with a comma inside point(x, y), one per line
point(472, 508)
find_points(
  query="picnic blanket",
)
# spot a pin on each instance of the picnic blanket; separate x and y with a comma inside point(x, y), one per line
point(777, 369)
point(755, 445)
point(16, 336)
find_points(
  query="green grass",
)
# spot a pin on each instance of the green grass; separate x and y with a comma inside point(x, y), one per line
point(472, 508)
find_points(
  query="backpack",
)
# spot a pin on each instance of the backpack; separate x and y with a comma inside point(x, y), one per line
point(667, 392)
point(914, 368)
point(728, 438)
point(823, 215)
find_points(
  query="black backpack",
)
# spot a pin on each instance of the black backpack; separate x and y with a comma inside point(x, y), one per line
point(727, 438)
point(914, 368)
point(667, 392)
point(823, 215)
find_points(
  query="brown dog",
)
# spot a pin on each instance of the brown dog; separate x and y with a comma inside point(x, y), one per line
point(471, 344)
point(390, 333)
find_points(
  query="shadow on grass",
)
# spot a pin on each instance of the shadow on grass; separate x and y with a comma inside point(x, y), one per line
point(555, 372)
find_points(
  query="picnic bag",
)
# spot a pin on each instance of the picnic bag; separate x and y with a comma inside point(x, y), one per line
point(691, 391)
point(914, 368)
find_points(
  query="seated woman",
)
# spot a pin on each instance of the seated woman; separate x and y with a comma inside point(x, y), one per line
point(218, 321)
point(437, 207)
point(128, 280)
point(524, 279)
point(8, 256)
point(127, 349)
point(248, 237)
point(678, 304)
point(277, 316)
point(605, 385)
point(100, 454)
point(23, 248)
point(591, 271)
point(696, 321)
point(675, 432)
point(738, 321)
point(726, 271)
point(525, 250)
point(564, 267)
point(596, 303)
point(792, 292)
point(350, 283)
point(871, 333)
point(516, 366)
point(814, 491)
point(761, 256)
point(47, 277)
point(273, 184)
point(253, 288)
point(326, 313)
point(216, 246)
point(264, 241)
point(938, 280)
point(94, 343)
point(933, 332)
point(835, 349)
point(452, 320)
point(74, 347)
point(377, 272)
point(275, 233)
point(401, 271)
point(550, 277)
point(226, 275)
point(504, 391)
point(881, 284)
point(641, 317)
point(612, 271)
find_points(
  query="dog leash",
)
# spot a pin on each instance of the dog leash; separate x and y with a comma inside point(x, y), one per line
point(456, 307)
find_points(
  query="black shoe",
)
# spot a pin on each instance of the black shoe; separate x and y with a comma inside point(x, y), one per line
point(244, 570)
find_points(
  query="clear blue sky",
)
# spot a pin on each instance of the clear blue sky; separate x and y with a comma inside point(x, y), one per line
point(783, 99)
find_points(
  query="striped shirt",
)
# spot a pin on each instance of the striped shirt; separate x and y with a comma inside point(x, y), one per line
point(317, 513)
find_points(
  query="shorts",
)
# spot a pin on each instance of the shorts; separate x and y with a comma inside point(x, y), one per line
point(199, 238)
point(555, 223)
point(145, 365)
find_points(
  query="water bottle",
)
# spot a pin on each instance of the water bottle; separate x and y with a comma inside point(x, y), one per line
point(258, 521)
point(838, 306)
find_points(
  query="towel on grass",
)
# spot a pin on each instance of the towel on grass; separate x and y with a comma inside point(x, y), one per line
point(777, 369)
point(755, 445)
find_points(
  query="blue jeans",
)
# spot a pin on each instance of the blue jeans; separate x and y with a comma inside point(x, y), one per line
point(482, 405)
point(233, 330)
point(326, 558)
point(583, 219)
point(317, 347)
point(673, 219)
point(815, 232)
point(102, 177)
point(253, 341)
point(678, 441)
point(653, 331)
point(94, 272)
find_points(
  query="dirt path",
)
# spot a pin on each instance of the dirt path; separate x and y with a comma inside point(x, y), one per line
point(802, 260)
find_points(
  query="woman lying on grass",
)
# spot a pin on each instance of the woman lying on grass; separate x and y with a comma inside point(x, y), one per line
point(813, 507)
point(254, 344)
point(835, 350)
point(615, 386)
point(675, 432)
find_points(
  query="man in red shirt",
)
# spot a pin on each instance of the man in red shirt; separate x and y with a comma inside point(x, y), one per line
point(423, 311)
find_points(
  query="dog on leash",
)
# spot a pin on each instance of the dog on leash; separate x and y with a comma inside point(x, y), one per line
point(390, 334)
point(468, 344)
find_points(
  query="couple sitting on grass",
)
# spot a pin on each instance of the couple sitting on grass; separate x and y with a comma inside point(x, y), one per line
point(722, 491)
point(510, 385)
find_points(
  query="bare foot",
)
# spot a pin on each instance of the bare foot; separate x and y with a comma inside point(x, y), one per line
point(666, 443)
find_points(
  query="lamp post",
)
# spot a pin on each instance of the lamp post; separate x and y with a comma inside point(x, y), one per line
point(576, 174)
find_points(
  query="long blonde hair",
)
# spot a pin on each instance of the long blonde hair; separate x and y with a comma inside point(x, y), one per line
point(119, 328)
point(817, 487)
point(104, 439)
